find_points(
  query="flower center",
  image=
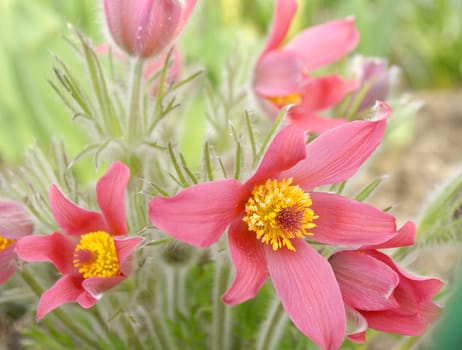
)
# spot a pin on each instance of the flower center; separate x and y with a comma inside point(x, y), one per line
point(278, 211)
point(281, 101)
point(96, 256)
point(5, 242)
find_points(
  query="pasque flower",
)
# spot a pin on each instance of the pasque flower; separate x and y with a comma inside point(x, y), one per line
point(379, 294)
point(15, 223)
point(282, 73)
point(93, 251)
point(144, 28)
point(273, 214)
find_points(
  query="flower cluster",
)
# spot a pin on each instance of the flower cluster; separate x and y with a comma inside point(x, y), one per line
point(288, 221)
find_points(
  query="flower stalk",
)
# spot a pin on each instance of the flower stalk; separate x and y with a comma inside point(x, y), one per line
point(135, 88)
point(271, 330)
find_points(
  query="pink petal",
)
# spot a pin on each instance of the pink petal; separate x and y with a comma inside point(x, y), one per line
point(308, 121)
point(185, 13)
point(54, 248)
point(284, 11)
point(337, 154)
point(306, 285)
point(366, 283)
point(7, 263)
point(15, 221)
point(277, 74)
point(325, 43)
point(96, 286)
point(110, 193)
point(125, 247)
point(66, 290)
point(198, 215)
point(72, 219)
point(405, 236)
point(346, 221)
point(249, 261)
point(323, 92)
point(286, 150)
point(357, 325)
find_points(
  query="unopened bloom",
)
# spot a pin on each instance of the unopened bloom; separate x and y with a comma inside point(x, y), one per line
point(273, 214)
point(92, 252)
point(379, 294)
point(15, 223)
point(144, 28)
point(282, 73)
point(375, 80)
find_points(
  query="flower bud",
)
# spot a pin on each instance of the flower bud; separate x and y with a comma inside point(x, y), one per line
point(144, 28)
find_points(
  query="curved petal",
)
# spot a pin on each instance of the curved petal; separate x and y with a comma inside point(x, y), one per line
point(366, 283)
point(7, 263)
point(325, 43)
point(124, 248)
point(357, 325)
point(96, 286)
point(278, 73)
point(307, 120)
point(337, 154)
point(110, 193)
point(284, 11)
point(74, 220)
point(184, 16)
point(405, 236)
point(54, 248)
point(15, 221)
point(346, 221)
point(198, 215)
point(66, 290)
point(306, 285)
point(286, 150)
point(324, 92)
point(249, 262)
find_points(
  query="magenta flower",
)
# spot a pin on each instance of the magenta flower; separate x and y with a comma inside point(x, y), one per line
point(272, 213)
point(15, 223)
point(144, 28)
point(282, 73)
point(93, 252)
point(379, 294)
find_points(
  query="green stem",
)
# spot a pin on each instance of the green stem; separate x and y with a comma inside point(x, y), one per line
point(163, 334)
point(130, 331)
point(58, 313)
point(221, 313)
point(271, 330)
point(135, 89)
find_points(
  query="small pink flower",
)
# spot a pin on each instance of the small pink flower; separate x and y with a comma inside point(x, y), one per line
point(15, 223)
point(93, 252)
point(270, 215)
point(144, 28)
point(281, 75)
point(379, 294)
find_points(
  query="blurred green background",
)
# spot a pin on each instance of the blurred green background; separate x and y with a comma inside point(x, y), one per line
point(423, 37)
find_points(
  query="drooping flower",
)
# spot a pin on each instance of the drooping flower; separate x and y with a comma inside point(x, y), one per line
point(379, 294)
point(375, 80)
point(93, 251)
point(273, 214)
point(144, 28)
point(15, 223)
point(282, 73)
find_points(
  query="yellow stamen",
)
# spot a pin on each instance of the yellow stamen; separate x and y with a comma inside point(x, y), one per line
point(281, 101)
point(5, 242)
point(96, 256)
point(278, 212)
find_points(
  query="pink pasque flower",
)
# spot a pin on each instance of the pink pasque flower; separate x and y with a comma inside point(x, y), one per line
point(15, 223)
point(282, 73)
point(270, 215)
point(93, 252)
point(379, 294)
point(144, 28)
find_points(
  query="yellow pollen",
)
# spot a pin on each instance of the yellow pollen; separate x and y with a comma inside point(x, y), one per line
point(278, 212)
point(5, 242)
point(281, 101)
point(96, 256)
